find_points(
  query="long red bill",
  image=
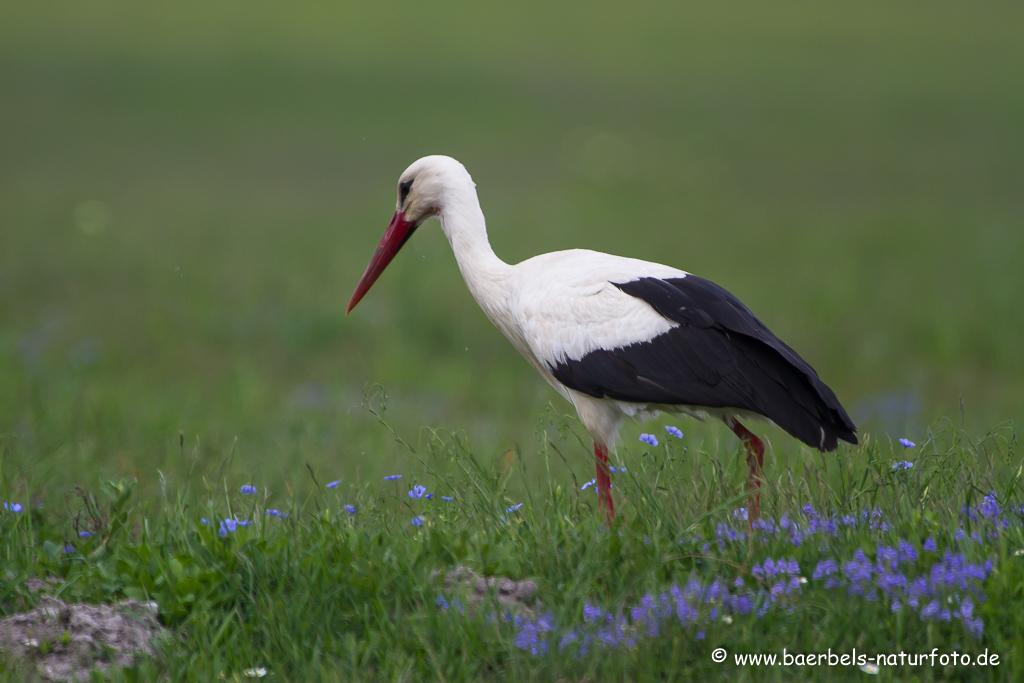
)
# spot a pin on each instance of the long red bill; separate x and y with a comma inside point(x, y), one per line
point(398, 232)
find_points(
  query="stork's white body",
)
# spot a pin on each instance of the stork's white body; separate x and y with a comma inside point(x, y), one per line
point(558, 305)
point(575, 314)
point(562, 306)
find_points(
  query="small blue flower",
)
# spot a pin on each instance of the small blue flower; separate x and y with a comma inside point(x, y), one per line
point(649, 439)
point(333, 483)
point(227, 526)
point(902, 465)
point(13, 507)
point(417, 521)
point(417, 491)
point(447, 499)
point(393, 477)
point(614, 470)
point(68, 549)
point(592, 482)
point(350, 509)
point(929, 544)
point(825, 568)
point(741, 513)
point(204, 520)
point(84, 534)
point(989, 506)
point(429, 496)
point(272, 512)
point(249, 489)
point(674, 431)
point(514, 508)
point(907, 443)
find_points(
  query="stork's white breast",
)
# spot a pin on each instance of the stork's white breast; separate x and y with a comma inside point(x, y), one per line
point(565, 305)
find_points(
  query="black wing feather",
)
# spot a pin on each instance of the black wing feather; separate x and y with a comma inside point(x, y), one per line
point(719, 356)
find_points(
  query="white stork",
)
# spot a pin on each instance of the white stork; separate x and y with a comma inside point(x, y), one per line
point(620, 337)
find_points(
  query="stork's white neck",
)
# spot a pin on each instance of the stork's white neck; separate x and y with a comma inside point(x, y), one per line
point(485, 274)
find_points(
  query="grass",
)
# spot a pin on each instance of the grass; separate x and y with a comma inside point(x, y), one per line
point(184, 212)
point(189, 193)
point(325, 594)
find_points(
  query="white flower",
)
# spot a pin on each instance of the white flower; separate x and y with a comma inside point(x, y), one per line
point(258, 672)
point(869, 668)
point(726, 619)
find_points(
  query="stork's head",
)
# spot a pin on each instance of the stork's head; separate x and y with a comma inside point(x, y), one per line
point(424, 190)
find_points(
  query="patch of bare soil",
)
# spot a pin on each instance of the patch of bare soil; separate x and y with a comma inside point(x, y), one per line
point(515, 596)
point(66, 642)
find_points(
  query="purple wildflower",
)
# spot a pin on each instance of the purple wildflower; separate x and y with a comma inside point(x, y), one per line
point(902, 465)
point(350, 509)
point(592, 482)
point(417, 521)
point(857, 572)
point(649, 439)
point(906, 552)
point(529, 638)
point(227, 526)
point(975, 626)
point(989, 506)
point(591, 613)
point(393, 477)
point(967, 608)
point(333, 483)
point(249, 489)
point(13, 507)
point(613, 470)
point(514, 507)
point(929, 545)
point(417, 491)
point(674, 431)
point(447, 499)
point(887, 556)
point(567, 639)
point(891, 582)
point(84, 534)
point(907, 443)
point(825, 568)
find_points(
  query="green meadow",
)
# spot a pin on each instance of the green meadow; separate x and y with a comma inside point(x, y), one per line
point(189, 194)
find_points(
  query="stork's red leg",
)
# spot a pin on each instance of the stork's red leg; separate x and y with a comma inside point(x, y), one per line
point(604, 482)
point(755, 459)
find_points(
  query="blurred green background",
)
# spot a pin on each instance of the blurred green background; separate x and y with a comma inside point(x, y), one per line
point(189, 194)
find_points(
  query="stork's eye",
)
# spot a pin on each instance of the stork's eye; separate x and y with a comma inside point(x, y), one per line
point(403, 191)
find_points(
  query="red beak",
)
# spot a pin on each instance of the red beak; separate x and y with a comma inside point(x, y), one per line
point(398, 233)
